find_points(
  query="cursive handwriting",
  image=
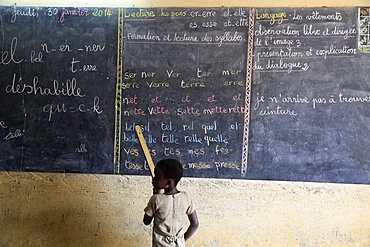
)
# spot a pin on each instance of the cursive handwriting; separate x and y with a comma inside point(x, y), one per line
point(271, 17)
point(30, 12)
point(11, 135)
point(3, 125)
point(6, 57)
point(69, 88)
point(52, 109)
point(73, 12)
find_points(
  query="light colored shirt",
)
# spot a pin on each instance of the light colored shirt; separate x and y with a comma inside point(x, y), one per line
point(170, 213)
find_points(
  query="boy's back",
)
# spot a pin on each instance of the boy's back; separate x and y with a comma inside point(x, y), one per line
point(170, 213)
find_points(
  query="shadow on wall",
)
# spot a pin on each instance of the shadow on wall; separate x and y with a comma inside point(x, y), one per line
point(57, 210)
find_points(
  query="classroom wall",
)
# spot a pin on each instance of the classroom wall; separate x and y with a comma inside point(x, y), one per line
point(47, 209)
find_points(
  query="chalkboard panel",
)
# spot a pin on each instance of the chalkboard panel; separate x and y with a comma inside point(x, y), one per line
point(273, 94)
point(184, 83)
point(57, 89)
point(310, 97)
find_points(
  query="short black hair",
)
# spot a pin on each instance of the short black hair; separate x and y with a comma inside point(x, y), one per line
point(171, 169)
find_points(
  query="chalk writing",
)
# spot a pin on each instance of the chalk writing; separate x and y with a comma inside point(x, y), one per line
point(286, 104)
point(193, 117)
point(68, 88)
point(82, 148)
point(290, 47)
point(57, 72)
point(52, 109)
point(3, 125)
point(15, 134)
point(271, 17)
point(24, 12)
point(8, 57)
point(81, 12)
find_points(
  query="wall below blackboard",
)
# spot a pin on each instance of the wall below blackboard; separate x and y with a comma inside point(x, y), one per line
point(106, 210)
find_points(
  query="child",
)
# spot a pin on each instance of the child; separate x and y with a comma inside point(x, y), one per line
point(170, 208)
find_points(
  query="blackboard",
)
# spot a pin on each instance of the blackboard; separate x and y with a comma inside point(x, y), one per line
point(184, 83)
point(266, 93)
point(310, 98)
point(58, 71)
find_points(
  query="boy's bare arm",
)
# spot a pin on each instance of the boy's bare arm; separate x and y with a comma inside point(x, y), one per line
point(193, 227)
point(147, 219)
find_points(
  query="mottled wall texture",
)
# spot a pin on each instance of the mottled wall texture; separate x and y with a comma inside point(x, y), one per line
point(46, 209)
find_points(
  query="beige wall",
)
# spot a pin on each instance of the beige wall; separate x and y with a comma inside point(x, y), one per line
point(42, 209)
point(45, 209)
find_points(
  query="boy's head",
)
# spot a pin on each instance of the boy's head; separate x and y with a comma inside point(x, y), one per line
point(171, 169)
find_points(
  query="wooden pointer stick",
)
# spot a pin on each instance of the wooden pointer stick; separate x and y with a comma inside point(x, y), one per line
point(145, 149)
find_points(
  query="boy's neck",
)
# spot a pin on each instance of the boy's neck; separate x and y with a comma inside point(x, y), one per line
point(171, 191)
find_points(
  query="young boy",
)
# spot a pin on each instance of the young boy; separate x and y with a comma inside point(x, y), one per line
point(170, 209)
